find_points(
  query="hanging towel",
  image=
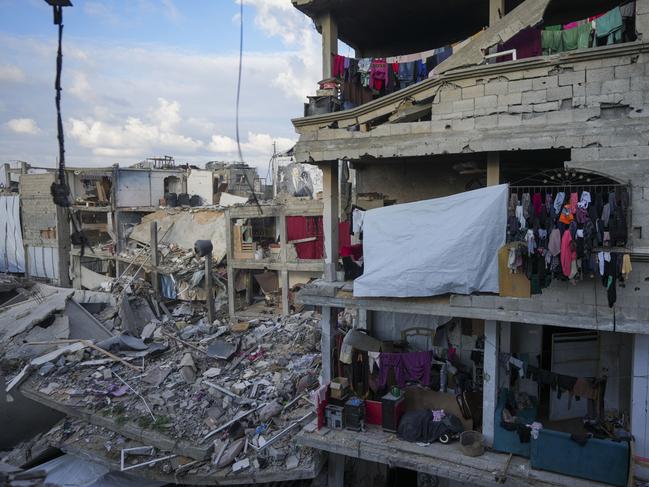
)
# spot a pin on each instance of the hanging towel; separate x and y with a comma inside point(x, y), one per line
point(610, 26)
point(551, 41)
point(626, 265)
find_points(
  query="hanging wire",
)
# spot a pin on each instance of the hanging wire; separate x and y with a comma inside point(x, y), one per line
point(245, 173)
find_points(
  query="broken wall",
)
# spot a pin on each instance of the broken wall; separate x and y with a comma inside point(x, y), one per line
point(201, 183)
point(45, 230)
point(411, 179)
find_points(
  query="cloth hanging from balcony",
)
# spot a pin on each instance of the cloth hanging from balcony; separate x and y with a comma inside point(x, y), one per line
point(409, 366)
point(609, 26)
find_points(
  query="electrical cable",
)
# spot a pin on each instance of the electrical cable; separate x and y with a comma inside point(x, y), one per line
point(245, 174)
point(60, 190)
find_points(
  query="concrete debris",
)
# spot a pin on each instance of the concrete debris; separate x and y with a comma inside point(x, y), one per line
point(188, 387)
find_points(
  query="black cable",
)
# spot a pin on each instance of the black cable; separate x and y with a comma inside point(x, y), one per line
point(60, 190)
point(245, 173)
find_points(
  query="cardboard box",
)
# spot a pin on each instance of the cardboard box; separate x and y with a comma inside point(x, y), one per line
point(337, 387)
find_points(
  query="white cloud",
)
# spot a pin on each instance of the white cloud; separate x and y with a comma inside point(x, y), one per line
point(9, 72)
point(135, 136)
point(23, 126)
point(80, 86)
point(255, 147)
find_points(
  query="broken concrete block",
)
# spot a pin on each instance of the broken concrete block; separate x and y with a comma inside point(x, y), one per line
point(148, 330)
point(212, 372)
point(240, 327)
point(231, 453)
point(188, 368)
point(241, 465)
point(292, 461)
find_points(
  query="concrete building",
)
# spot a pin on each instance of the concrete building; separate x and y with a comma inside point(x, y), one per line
point(569, 121)
point(263, 255)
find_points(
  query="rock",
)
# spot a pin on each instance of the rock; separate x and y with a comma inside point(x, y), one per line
point(46, 368)
point(212, 372)
point(269, 411)
point(231, 453)
point(188, 368)
point(148, 331)
point(292, 461)
point(107, 374)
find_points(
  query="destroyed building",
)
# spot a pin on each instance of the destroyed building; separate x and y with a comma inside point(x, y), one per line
point(140, 373)
point(499, 151)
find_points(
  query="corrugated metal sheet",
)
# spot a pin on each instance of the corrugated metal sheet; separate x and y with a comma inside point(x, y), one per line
point(43, 262)
point(12, 250)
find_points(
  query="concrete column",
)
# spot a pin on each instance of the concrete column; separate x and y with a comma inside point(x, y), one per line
point(640, 404)
point(490, 386)
point(155, 279)
point(328, 321)
point(283, 276)
point(329, 43)
point(642, 19)
point(230, 269)
point(493, 168)
point(496, 10)
point(330, 219)
point(336, 470)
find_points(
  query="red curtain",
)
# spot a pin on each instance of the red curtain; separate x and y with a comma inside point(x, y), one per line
point(299, 227)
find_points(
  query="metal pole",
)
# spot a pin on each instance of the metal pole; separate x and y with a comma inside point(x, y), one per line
point(208, 288)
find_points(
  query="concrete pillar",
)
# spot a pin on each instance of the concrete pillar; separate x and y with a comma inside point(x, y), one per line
point(155, 279)
point(493, 168)
point(328, 321)
point(642, 19)
point(336, 470)
point(490, 386)
point(640, 404)
point(283, 254)
point(330, 219)
point(329, 43)
point(496, 10)
point(230, 269)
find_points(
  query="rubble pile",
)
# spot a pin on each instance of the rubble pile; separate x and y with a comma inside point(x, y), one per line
point(226, 398)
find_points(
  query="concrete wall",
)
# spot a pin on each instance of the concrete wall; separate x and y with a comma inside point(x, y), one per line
point(46, 232)
point(407, 180)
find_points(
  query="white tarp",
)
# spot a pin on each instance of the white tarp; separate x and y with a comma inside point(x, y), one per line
point(433, 247)
point(12, 251)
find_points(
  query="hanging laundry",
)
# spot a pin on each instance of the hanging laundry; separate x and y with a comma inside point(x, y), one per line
point(626, 266)
point(574, 199)
point(406, 74)
point(566, 215)
point(525, 203)
point(537, 203)
point(520, 216)
point(531, 242)
point(568, 255)
point(411, 366)
point(584, 201)
point(558, 201)
point(609, 26)
point(554, 245)
point(364, 66)
point(378, 73)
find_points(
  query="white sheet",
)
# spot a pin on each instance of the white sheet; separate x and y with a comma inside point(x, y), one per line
point(433, 247)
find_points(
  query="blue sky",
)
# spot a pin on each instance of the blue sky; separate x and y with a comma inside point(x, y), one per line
point(152, 77)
